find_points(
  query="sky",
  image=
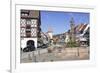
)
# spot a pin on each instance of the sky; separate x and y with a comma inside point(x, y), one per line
point(59, 22)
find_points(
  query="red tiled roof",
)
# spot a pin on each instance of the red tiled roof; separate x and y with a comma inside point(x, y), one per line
point(80, 27)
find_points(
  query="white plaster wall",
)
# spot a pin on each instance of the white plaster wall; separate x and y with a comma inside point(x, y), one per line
point(24, 41)
point(67, 38)
point(50, 35)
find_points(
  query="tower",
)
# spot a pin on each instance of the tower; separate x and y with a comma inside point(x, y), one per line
point(50, 35)
point(50, 32)
point(72, 30)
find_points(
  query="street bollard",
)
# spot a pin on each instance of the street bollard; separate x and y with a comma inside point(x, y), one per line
point(34, 57)
point(29, 57)
point(78, 54)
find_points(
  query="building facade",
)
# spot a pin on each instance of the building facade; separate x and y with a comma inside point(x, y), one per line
point(29, 26)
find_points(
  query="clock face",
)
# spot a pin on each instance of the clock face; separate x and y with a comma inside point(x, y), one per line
point(28, 22)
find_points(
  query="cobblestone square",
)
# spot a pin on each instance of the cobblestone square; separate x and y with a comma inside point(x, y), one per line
point(66, 54)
